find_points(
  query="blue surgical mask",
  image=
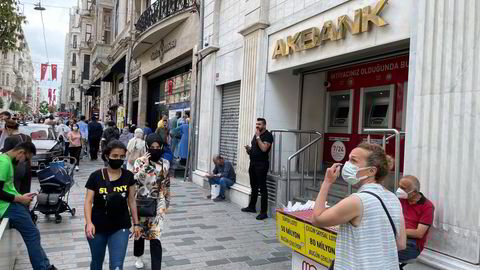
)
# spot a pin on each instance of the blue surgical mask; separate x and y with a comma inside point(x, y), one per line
point(349, 173)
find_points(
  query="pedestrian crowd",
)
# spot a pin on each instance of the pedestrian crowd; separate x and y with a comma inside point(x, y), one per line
point(130, 196)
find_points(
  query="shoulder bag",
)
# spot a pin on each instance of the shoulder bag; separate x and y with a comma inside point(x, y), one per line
point(146, 206)
point(114, 200)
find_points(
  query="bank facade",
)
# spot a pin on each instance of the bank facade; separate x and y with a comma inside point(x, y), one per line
point(328, 75)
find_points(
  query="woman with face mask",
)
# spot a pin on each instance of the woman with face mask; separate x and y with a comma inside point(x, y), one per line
point(371, 221)
point(151, 173)
point(75, 144)
point(136, 148)
point(126, 136)
point(110, 195)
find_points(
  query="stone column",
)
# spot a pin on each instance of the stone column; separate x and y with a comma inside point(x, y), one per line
point(253, 45)
point(142, 102)
point(442, 135)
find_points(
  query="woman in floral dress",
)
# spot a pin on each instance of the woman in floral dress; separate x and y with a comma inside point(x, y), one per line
point(151, 173)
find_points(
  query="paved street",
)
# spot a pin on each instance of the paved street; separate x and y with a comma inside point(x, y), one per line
point(200, 234)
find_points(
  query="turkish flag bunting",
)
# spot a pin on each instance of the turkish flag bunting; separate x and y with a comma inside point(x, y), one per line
point(43, 71)
point(54, 72)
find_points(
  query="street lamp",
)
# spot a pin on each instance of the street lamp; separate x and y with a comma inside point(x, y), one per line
point(39, 7)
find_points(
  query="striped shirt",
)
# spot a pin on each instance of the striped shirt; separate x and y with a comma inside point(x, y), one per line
point(372, 244)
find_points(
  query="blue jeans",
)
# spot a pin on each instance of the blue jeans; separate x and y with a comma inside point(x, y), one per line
point(223, 182)
point(20, 219)
point(410, 253)
point(117, 248)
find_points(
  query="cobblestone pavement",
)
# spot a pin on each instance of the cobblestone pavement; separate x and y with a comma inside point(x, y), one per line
point(200, 234)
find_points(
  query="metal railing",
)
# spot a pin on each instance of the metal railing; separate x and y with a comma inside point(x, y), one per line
point(161, 10)
point(303, 153)
point(393, 133)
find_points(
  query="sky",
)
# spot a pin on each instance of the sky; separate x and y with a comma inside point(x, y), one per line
point(55, 18)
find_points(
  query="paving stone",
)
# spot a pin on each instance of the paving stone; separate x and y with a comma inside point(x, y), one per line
point(240, 259)
point(217, 262)
point(186, 244)
point(213, 248)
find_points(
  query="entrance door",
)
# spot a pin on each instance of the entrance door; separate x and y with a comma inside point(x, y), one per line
point(229, 122)
point(134, 112)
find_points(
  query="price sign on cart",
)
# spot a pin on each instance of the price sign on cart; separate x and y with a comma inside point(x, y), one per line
point(338, 151)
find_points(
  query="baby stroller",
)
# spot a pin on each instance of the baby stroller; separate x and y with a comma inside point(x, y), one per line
point(56, 180)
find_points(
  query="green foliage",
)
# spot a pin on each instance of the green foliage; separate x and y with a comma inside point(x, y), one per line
point(13, 106)
point(10, 25)
point(1, 103)
point(43, 107)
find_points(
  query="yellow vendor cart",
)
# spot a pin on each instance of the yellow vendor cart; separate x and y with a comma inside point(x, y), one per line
point(313, 247)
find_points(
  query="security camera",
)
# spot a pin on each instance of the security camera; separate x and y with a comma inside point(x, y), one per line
point(327, 84)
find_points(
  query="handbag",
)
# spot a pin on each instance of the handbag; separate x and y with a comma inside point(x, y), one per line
point(146, 207)
point(332, 266)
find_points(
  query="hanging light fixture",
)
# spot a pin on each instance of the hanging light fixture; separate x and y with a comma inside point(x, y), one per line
point(39, 7)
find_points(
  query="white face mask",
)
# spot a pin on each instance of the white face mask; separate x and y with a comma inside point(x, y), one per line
point(402, 194)
point(75, 128)
point(349, 173)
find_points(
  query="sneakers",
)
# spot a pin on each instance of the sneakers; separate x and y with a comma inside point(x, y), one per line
point(209, 197)
point(249, 210)
point(139, 263)
point(52, 267)
point(219, 199)
point(77, 168)
point(262, 216)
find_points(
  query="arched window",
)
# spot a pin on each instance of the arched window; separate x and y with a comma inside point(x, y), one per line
point(72, 94)
point(74, 59)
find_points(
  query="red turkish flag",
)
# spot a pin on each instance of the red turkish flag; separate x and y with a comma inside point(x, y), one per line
point(43, 71)
point(54, 72)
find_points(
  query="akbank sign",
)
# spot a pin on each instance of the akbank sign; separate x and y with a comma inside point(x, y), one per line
point(337, 30)
point(330, 31)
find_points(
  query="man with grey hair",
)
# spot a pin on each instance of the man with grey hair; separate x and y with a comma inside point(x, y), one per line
point(223, 174)
point(418, 214)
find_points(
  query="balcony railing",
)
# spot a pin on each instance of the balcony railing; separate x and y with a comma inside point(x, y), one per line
point(161, 10)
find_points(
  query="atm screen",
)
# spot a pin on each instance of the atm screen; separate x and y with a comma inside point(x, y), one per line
point(342, 112)
point(379, 111)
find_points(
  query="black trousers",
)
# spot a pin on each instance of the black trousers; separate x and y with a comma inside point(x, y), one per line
point(94, 145)
point(75, 152)
point(258, 179)
point(155, 251)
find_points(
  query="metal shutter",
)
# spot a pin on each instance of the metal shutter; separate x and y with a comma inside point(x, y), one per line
point(229, 121)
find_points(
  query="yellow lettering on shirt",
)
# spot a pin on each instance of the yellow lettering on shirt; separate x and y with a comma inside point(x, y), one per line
point(102, 191)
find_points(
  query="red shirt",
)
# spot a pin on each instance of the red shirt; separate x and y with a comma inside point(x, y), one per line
point(419, 213)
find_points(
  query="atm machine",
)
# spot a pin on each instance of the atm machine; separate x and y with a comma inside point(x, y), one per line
point(339, 112)
point(376, 107)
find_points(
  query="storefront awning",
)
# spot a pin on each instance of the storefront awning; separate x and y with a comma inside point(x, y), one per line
point(117, 68)
point(94, 86)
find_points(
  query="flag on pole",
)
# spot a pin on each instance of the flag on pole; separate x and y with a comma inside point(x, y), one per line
point(43, 71)
point(54, 72)
point(49, 96)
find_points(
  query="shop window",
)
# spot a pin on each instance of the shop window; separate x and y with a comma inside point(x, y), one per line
point(177, 89)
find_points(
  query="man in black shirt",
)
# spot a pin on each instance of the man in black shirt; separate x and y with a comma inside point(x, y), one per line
point(259, 164)
point(95, 132)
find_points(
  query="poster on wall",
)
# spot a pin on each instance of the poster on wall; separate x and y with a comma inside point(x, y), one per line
point(120, 117)
point(338, 151)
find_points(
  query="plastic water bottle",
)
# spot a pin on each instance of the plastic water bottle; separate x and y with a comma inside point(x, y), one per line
point(284, 172)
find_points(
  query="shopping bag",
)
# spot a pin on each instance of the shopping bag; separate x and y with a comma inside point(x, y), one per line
point(215, 191)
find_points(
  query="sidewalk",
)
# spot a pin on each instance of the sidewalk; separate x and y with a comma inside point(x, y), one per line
point(200, 234)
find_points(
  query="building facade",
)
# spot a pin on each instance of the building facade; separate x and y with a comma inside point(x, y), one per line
point(71, 92)
point(328, 75)
point(16, 76)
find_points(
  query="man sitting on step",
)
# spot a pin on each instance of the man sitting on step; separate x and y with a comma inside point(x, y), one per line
point(223, 175)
